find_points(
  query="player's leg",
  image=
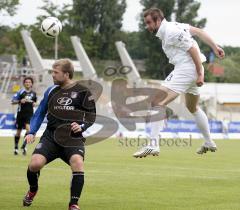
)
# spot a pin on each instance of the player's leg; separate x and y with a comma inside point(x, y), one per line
point(45, 152)
point(16, 140)
point(74, 156)
point(36, 164)
point(19, 126)
point(157, 105)
point(77, 182)
point(23, 147)
point(201, 121)
point(170, 96)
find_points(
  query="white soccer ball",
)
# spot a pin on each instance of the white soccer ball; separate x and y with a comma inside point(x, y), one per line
point(51, 26)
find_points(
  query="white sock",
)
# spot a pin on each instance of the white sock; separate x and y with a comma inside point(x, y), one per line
point(202, 124)
point(156, 127)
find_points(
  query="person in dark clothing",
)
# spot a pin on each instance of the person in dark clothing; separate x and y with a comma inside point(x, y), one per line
point(70, 110)
point(26, 99)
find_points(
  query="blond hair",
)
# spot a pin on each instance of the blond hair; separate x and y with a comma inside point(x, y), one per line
point(65, 65)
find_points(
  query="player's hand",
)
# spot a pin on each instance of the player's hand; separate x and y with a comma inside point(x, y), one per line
point(29, 101)
point(23, 101)
point(219, 52)
point(30, 138)
point(200, 80)
point(76, 127)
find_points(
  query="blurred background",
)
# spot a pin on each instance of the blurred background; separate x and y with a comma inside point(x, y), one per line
point(101, 34)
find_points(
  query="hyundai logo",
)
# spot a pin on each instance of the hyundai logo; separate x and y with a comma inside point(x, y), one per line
point(64, 101)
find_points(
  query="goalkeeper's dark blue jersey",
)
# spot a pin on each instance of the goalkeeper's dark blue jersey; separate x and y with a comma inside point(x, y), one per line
point(27, 107)
point(63, 106)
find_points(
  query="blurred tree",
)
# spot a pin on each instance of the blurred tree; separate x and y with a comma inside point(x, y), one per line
point(47, 44)
point(186, 11)
point(98, 24)
point(8, 6)
point(11, 41)
point(229, 50)
point(133, 44)
point(231, 65)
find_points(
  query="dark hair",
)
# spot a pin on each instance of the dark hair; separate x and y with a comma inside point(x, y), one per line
point(65, 65)
point(27, 78)
point(155, 13)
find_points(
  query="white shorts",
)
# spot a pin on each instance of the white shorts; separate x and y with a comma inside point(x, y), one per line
point(182, 80)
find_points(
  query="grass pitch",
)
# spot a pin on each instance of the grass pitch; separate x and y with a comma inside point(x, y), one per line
point(114, 180)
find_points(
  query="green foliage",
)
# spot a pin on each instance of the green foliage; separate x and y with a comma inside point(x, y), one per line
point(45, 44)
point(98, 24)
point(9, 6)
point(229, 50)
point(231, 65)
point(11, 41)
point(187, 11)
point(134, 44)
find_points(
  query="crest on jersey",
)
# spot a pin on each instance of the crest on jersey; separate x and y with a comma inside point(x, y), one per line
point(73, 94)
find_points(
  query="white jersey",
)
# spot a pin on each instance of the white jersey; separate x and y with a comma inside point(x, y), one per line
point(176, 41)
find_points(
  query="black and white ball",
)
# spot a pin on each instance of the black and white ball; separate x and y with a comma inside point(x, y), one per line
point(51, 27)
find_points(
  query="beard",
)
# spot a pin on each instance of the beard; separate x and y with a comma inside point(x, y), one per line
point(155, 30)
point(60, 83)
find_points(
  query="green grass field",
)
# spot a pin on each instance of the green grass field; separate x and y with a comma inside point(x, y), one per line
point(177, 179)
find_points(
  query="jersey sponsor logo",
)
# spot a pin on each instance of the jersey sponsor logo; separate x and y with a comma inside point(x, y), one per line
point(64, 107)
point(64, 101)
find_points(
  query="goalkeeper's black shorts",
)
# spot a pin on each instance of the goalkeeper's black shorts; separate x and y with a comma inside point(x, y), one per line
point(23, 119)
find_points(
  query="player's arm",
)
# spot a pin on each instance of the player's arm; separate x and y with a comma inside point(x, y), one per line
point(34, 100)
point(193, 51)
point(89, 109)
point(38, 118)
point(201, 34)
point(180, 38)
point(16, 98)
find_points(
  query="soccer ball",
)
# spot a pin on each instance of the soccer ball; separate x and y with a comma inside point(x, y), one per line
point(51, 27)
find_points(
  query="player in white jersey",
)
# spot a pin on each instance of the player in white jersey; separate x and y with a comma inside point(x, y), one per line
point(188, 74)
